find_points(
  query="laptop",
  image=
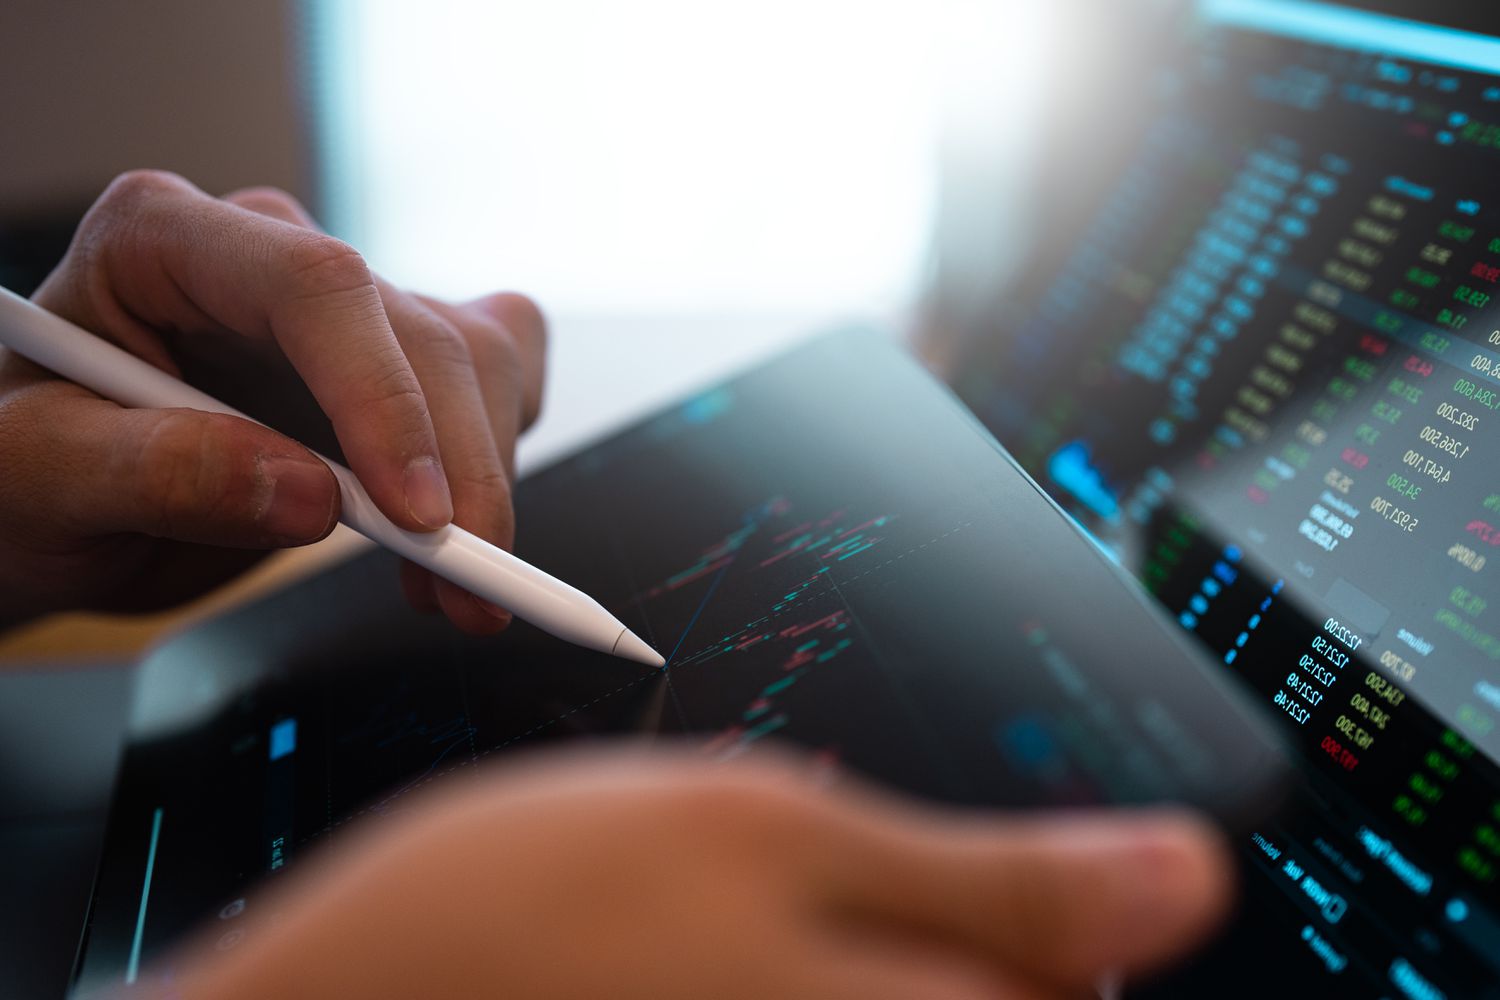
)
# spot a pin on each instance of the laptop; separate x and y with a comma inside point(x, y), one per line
point(1258, 357)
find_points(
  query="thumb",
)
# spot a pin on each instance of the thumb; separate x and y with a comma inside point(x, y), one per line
point(1060, 899)
point(182, 474)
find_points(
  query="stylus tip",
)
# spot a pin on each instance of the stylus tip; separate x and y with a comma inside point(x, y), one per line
point(633, 647)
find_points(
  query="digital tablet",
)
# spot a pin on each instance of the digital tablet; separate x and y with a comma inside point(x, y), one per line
point(831, 553)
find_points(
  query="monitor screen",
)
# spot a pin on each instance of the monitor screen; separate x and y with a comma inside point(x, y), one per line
point(828, 550)
point(1265, 374)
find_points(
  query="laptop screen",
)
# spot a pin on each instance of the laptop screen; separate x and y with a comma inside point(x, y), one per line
point(1266, 375)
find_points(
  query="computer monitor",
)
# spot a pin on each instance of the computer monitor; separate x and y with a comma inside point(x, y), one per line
point(1265, 374)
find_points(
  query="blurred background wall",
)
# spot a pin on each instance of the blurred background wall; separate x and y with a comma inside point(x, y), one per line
point(684, 186)
point(791, 159)
point(208, 88)
point(661, 156)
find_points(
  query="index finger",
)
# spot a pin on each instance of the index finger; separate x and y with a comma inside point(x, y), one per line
point(174, 258)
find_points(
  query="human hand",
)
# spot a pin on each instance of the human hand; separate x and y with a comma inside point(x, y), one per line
point(109, 508)
point(661, 876)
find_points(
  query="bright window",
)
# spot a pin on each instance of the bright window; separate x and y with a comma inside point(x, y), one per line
point(658, 156)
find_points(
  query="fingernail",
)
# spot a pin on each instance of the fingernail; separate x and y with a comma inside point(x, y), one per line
point(491, 608)
point(427, 496)
point(301, 493)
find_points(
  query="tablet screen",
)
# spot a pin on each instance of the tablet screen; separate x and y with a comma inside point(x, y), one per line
point(829, 551)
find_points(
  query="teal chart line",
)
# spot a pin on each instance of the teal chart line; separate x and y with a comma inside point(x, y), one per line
point(132, 970)
point(707, 596)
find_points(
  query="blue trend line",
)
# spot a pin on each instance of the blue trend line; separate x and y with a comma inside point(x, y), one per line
point(134, 968)
point(694, 620)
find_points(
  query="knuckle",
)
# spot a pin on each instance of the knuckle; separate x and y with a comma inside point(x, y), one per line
point(489, 481)
point(522, 316)
point(268, 201)
point(136, 187)
point(395, 383)
point(741, 802)
point(439, 341)
point(512, 350)
point(534, 402)
point(122, 218)
point(496, 356)
point(532, 405)
point(487, 493)
point(186, 470)
point(394, 390)
point(322, 265)
point(482, 501)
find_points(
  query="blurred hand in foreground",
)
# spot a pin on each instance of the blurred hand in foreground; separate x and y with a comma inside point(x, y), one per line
point(659, 876)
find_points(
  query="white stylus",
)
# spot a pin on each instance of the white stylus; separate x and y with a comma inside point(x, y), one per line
point(450, 552)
